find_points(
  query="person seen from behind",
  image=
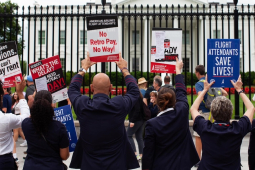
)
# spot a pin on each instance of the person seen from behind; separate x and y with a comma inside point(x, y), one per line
point(153, 104)
point(9, 122)
point(168, 144)
point(16, 132)
point(47, 139)
point(167, 81)
point(222, 140)
point(7, 101)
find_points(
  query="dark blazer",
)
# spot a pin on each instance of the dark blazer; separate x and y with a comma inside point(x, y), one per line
point(168, 143)
point(136, 114)
point(251, 150)
point(103, 135)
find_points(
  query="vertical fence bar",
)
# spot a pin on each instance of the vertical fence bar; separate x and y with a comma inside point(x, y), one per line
point(210, 21)
point(83, 46)
point(216, 21)
point(28, 40)
point(123, 49)
point(34, 34)
point(236, 37)
point(148, 43)
point(166, 16)
point(172, 16)
point(197, 35)
point(78, 40)
point(179, 17)
point(116, 69)
point(160, 15)
point(154, 18)
point(47, 30)
point(222, 21)
point(129, 38)
point(249, 33)
point(135, 41)
point(53, 29)
point(22, 40)
point(5, 24)
point(40, 34)
point(72, 42)
point(65, 39)
point(191, 49)
point(204, 32)
point(229, 96)
point(185, 42)
point(16, 24)
point(10, 25)
point(141, 20)
point(242, 42)
point(59, 20)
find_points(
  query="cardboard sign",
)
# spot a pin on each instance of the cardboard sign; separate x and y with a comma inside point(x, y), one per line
point(50, 70)
point(64, 115)
point(166, 46)
point(10, 69)
point(103, 38)
point(223, 61)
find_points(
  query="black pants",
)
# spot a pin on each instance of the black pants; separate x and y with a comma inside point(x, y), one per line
point(7, 162)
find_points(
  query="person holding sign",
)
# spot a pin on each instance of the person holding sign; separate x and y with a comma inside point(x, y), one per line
point(168, 144)
point(9, 122)
point(222, 140)
point(103, 136)
point(47, 139)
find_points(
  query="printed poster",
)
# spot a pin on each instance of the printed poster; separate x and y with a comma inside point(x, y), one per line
point(223, 61)
point(48, 75)
point(64, 115)
point(10, 69)
point(103, 39)
point(166, 47)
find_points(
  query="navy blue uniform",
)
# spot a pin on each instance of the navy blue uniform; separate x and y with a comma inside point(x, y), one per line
point(221, 142)
point(103, 135)
point(251, 150)
point(168, 142)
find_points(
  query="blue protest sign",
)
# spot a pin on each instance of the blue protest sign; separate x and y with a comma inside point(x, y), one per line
point(223, 61)
point(64, 115)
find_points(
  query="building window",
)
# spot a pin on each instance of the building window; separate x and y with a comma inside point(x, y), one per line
point(185, 64)
point(62, 37)
point(240, 35)
point(137, 37)
point(82, 35)
point(41, 40)
point(63, 64)
point(218, 34)
point(187, 37)
point(135, 65)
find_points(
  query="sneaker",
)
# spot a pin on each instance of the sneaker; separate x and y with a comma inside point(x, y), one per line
point(16, 160)
point(197, 165)
point(24, 144)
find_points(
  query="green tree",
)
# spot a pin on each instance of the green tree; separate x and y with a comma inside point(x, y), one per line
point(8, 25)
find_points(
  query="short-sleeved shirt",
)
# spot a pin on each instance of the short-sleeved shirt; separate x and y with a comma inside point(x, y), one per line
point(200, 87)
point(142, 91)
point(7, 103)
point(30, 91)
point(39, 154)
point(221, 142)
point(147, 93)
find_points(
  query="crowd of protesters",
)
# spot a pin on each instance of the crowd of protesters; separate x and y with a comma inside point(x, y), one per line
point(158, 117)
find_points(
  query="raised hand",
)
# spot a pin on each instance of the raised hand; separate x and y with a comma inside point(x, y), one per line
point(20, 87)
point(86, 63)
point(238, 85)
point(178, 66)
point(207, 85)
point(121, 63)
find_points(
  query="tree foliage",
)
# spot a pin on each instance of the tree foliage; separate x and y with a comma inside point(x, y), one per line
point(10, 30)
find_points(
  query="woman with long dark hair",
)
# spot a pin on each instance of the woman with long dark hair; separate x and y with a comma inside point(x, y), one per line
point(47, 139)
point(168, 143)
point(9, 122)
point(18, 131)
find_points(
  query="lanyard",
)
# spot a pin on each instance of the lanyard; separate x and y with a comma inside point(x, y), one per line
point(220, 124)
point(165, 111)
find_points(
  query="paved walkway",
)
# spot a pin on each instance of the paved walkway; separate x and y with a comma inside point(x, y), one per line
point(244, 154)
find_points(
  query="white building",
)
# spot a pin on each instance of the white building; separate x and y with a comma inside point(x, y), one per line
point(196, 33)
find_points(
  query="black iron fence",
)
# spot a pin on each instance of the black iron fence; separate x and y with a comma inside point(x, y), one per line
point(43, 32)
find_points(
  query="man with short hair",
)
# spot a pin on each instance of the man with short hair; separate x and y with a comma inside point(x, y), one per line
point(204, 112)
point(167, 83)
point(157, 83)
point(30, 87)
point(103, 135)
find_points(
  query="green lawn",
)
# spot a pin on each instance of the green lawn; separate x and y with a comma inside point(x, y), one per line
point(232, 98)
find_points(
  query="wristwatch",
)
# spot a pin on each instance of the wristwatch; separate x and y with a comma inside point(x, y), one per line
point(240, 92)
point(82, 69)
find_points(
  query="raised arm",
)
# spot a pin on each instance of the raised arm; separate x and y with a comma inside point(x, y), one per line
point(133, 92)
point(249, 106)
point(194, 108)
point(224, 92)
point(74, 88)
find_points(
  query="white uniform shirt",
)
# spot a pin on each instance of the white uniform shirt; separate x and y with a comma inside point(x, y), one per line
point(7, 123)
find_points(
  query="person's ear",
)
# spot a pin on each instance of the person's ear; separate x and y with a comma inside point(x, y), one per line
point(110, 88)
point(92, 88)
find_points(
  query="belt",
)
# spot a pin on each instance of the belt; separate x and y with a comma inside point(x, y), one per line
point(7, 154)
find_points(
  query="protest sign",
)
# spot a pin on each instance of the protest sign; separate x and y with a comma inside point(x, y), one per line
point(103, 38)
point(223, 61)
point(50, 69)
point(10, 69)
point(64, 115)
point(166, 46)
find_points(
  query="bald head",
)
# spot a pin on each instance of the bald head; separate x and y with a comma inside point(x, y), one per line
point(101, 84)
